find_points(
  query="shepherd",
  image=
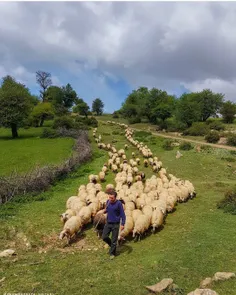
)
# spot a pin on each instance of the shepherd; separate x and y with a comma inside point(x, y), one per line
point(115, 221)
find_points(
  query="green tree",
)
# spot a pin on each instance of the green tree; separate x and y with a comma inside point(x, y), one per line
point(82, 108)
point(210, 103)
point(15, 104)
point(41, 112)
point(44, 80)
point(97, 106)
point(188, 109)
point(228, 111)
point(69, 96)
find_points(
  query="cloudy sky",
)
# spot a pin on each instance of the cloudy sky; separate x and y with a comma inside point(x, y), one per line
point(106, 49)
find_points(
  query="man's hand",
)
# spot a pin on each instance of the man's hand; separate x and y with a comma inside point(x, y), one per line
point(122, 227)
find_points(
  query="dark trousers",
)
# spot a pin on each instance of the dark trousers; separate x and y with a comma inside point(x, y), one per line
point(114, 229)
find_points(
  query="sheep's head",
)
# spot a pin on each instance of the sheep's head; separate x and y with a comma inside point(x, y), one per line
point(64, 217)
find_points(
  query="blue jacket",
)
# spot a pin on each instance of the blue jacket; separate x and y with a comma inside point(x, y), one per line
point(115, 212)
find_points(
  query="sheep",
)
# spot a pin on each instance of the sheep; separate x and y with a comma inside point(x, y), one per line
point(93, 178)
point(136, 213)
point(67, 215)
point(148, 210)
point(137, 161)
point(109, 186)
point(71, 227)
point(129, 206)
point(126, 146)
point(85, 214)
point(99, 222)
point(141, 225)
point(129, 225)
point(114, 168)
point(70, 201)
point(133, 154)
point(101, 176)
point(157, 219)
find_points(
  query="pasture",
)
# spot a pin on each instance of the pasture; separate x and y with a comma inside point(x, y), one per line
point(29, 150)
point(196, 241)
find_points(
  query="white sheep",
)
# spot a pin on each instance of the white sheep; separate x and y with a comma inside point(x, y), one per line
point(71, 228)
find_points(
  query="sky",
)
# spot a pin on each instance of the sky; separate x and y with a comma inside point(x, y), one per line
point(107, 49)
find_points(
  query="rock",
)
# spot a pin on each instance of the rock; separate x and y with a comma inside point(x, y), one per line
point(178, 155)
point(161, 286)
point(205, 283)
point(7, 253)
point(222, 276)
point(203, 292)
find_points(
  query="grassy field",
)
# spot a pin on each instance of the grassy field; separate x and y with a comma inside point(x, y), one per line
point(196, 241)
point(29, 150)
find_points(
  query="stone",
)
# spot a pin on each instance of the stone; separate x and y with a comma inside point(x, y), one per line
point(7, 253)
point(203, 292)
point(161, 286)
point(205, 283)
point(222, 276)
point(178, 155)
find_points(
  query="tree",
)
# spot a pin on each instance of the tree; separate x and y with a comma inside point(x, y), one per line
point(82, 108)
point(228, 111)
point(210, 103)
point(62, 98)
point(69, 96)
point(97, 106)
point(15, 104)
point(41, 112)
point(44, 81)
point(188, 109)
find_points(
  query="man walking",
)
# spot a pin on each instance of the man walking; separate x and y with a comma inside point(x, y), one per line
point(115, 213)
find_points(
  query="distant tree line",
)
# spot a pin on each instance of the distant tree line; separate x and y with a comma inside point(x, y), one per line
point(160, 108)
point(19, 108)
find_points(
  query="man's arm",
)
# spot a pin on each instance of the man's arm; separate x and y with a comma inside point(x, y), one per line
point(122, 214)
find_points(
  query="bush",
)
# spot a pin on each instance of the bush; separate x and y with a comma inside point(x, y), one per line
point(216, 125)
point(197, 129)
point(49, 133)
point(173, 125)
point(185, 146)
point(228, 203)
point(64, 121)
point(167, 145)
point(231, 139)
point(91, 122)
point(212, 137)
point(134, 120)
point(87, 121)
point(115, 115)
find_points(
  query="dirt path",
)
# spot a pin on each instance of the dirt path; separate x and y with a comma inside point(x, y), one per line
point(220, 146)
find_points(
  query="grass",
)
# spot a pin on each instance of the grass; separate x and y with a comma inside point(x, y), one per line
point(197, 240)
point(29, 150)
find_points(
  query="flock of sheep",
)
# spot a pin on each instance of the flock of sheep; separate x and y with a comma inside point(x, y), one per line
point(146, 201)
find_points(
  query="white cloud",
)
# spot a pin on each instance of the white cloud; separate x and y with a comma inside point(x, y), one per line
point(147, 43)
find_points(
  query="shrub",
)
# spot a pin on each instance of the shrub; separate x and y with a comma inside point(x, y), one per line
point(185, 146)
point(91, 122)
point(167, 145)
point(63, 121)
point(216, 125)
point(231, 139)
point(49, 133)
point(115, 115)
point(212, 137)
point(134, 120)
point(228, 203)
point(173, 125)
point(197, 129)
